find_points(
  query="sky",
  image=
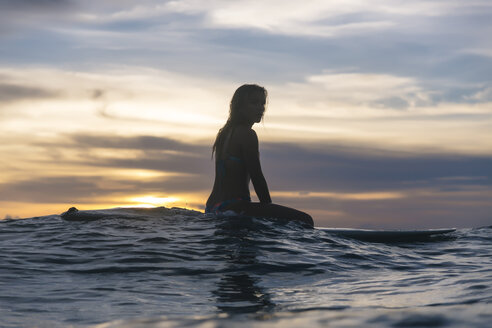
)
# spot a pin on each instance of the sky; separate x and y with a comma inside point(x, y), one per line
point(379, 112)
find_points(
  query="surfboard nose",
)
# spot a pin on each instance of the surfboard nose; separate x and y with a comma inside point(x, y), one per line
point(72, 210)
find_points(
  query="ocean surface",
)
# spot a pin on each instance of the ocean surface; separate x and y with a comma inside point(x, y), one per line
point(180, 268)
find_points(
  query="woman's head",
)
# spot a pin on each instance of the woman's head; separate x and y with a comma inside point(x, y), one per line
point(247, 107)
point(247, 104)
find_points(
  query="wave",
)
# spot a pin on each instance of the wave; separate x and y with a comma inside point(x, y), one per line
point(114, 265)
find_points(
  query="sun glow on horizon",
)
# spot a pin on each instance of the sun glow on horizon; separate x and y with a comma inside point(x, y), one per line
point(151, 201)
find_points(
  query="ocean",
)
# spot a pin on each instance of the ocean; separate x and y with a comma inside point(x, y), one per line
point(181, 268)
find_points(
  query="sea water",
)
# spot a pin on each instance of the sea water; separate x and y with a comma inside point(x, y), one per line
point(185, 269)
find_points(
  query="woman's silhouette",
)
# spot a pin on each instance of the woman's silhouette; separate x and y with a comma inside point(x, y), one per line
point(237, 161)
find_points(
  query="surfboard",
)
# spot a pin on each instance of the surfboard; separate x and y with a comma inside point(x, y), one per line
point(73, 214)
point(387, 235)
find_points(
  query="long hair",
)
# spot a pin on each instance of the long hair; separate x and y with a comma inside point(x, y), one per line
point(238, 102)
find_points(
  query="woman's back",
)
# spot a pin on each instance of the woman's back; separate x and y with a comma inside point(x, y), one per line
point(231, 175)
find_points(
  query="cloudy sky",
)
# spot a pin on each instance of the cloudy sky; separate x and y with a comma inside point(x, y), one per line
point(379, 113)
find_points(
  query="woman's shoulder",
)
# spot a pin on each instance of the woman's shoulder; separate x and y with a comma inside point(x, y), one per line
point(245, 132)
point(246, 137)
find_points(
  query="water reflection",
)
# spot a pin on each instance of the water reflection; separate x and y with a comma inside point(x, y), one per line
point(240, 293)
point(238, 290)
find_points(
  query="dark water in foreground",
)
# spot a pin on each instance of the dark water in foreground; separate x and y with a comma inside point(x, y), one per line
point(180, 268)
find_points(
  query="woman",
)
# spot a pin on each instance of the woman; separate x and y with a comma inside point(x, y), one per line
point(237, 161)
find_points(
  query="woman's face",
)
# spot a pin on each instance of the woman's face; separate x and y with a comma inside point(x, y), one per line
point(255, 107)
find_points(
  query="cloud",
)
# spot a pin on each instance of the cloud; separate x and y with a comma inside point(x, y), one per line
point(340, 184)
point(346, 105)
point(31, 4)
point(486, 52)
point(317, 17)
point(140, 142)
point(482, 95)
point(20, 15)
point(91, 189)
point(160, 154)
point(419, 210)
point(304, 168)
point(53, 189)
point(368, 88)
point(138, 99)
point(98, 93)
point(346, 169)
point(400, 38)
point(298, 167)
point(14, 92)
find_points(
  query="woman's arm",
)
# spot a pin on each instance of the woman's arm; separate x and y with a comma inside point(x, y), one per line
point(251, 154)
